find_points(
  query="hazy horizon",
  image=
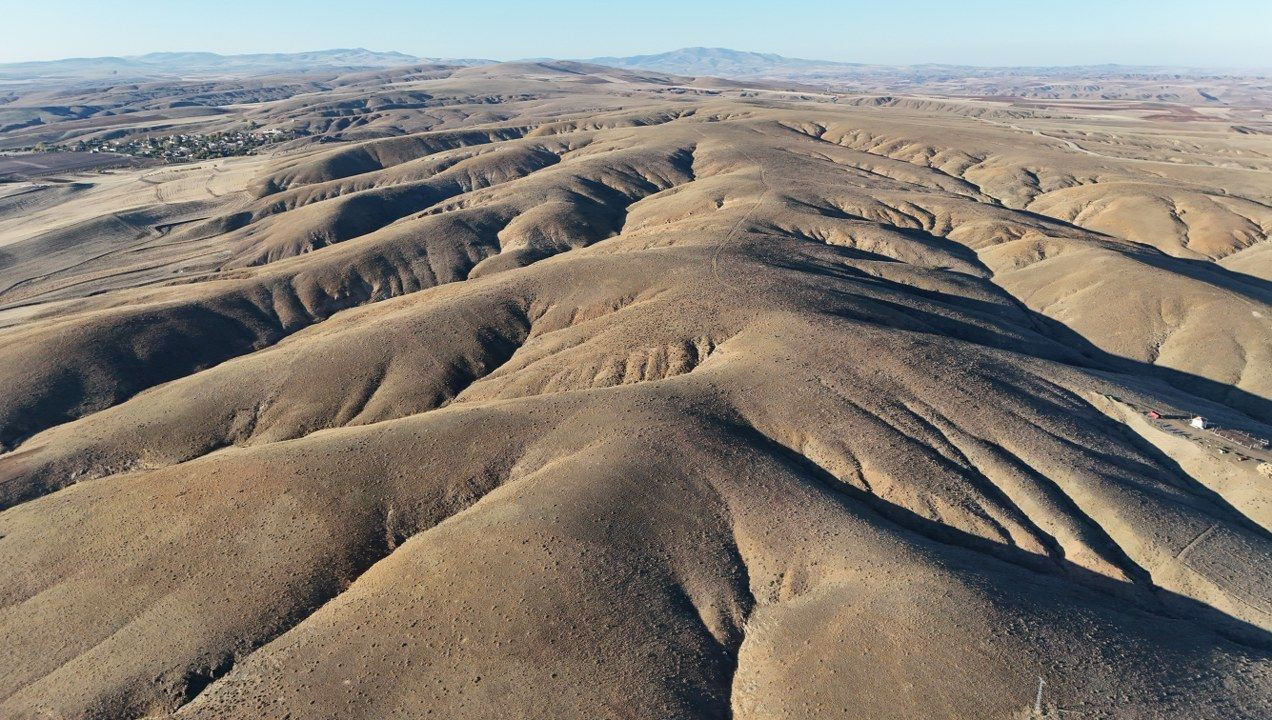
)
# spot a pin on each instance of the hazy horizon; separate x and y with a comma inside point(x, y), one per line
point(1171, 33)
point(650, 53)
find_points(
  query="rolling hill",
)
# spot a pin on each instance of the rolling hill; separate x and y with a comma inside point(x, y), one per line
point(552, 389)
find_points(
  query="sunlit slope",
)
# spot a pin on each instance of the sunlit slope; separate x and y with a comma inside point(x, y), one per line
point(687, 405)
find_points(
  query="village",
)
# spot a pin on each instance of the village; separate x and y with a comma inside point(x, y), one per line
point(184, 147)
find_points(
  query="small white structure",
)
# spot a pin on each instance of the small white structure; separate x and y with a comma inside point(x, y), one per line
point(1199, 422)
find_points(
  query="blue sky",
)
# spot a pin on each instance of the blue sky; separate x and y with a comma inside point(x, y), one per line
point(1219, 33)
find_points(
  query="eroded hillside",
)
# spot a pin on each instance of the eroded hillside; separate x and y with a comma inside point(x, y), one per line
point(574, 392)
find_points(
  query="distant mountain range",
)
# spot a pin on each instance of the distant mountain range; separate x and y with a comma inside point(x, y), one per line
point(206, 64)
point(693, 61)
point(723, 62)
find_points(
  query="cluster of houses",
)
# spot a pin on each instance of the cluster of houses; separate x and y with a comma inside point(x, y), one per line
point(186, 146)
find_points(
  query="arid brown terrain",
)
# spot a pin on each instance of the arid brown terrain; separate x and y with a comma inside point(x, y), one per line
point(562, 391)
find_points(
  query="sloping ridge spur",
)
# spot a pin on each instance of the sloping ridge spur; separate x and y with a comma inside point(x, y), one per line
point(636, 396)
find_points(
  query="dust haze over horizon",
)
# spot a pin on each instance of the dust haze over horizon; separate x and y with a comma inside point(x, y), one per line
point(1221, 34)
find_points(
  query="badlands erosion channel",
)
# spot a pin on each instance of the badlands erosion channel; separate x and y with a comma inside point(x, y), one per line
point(557, 390)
